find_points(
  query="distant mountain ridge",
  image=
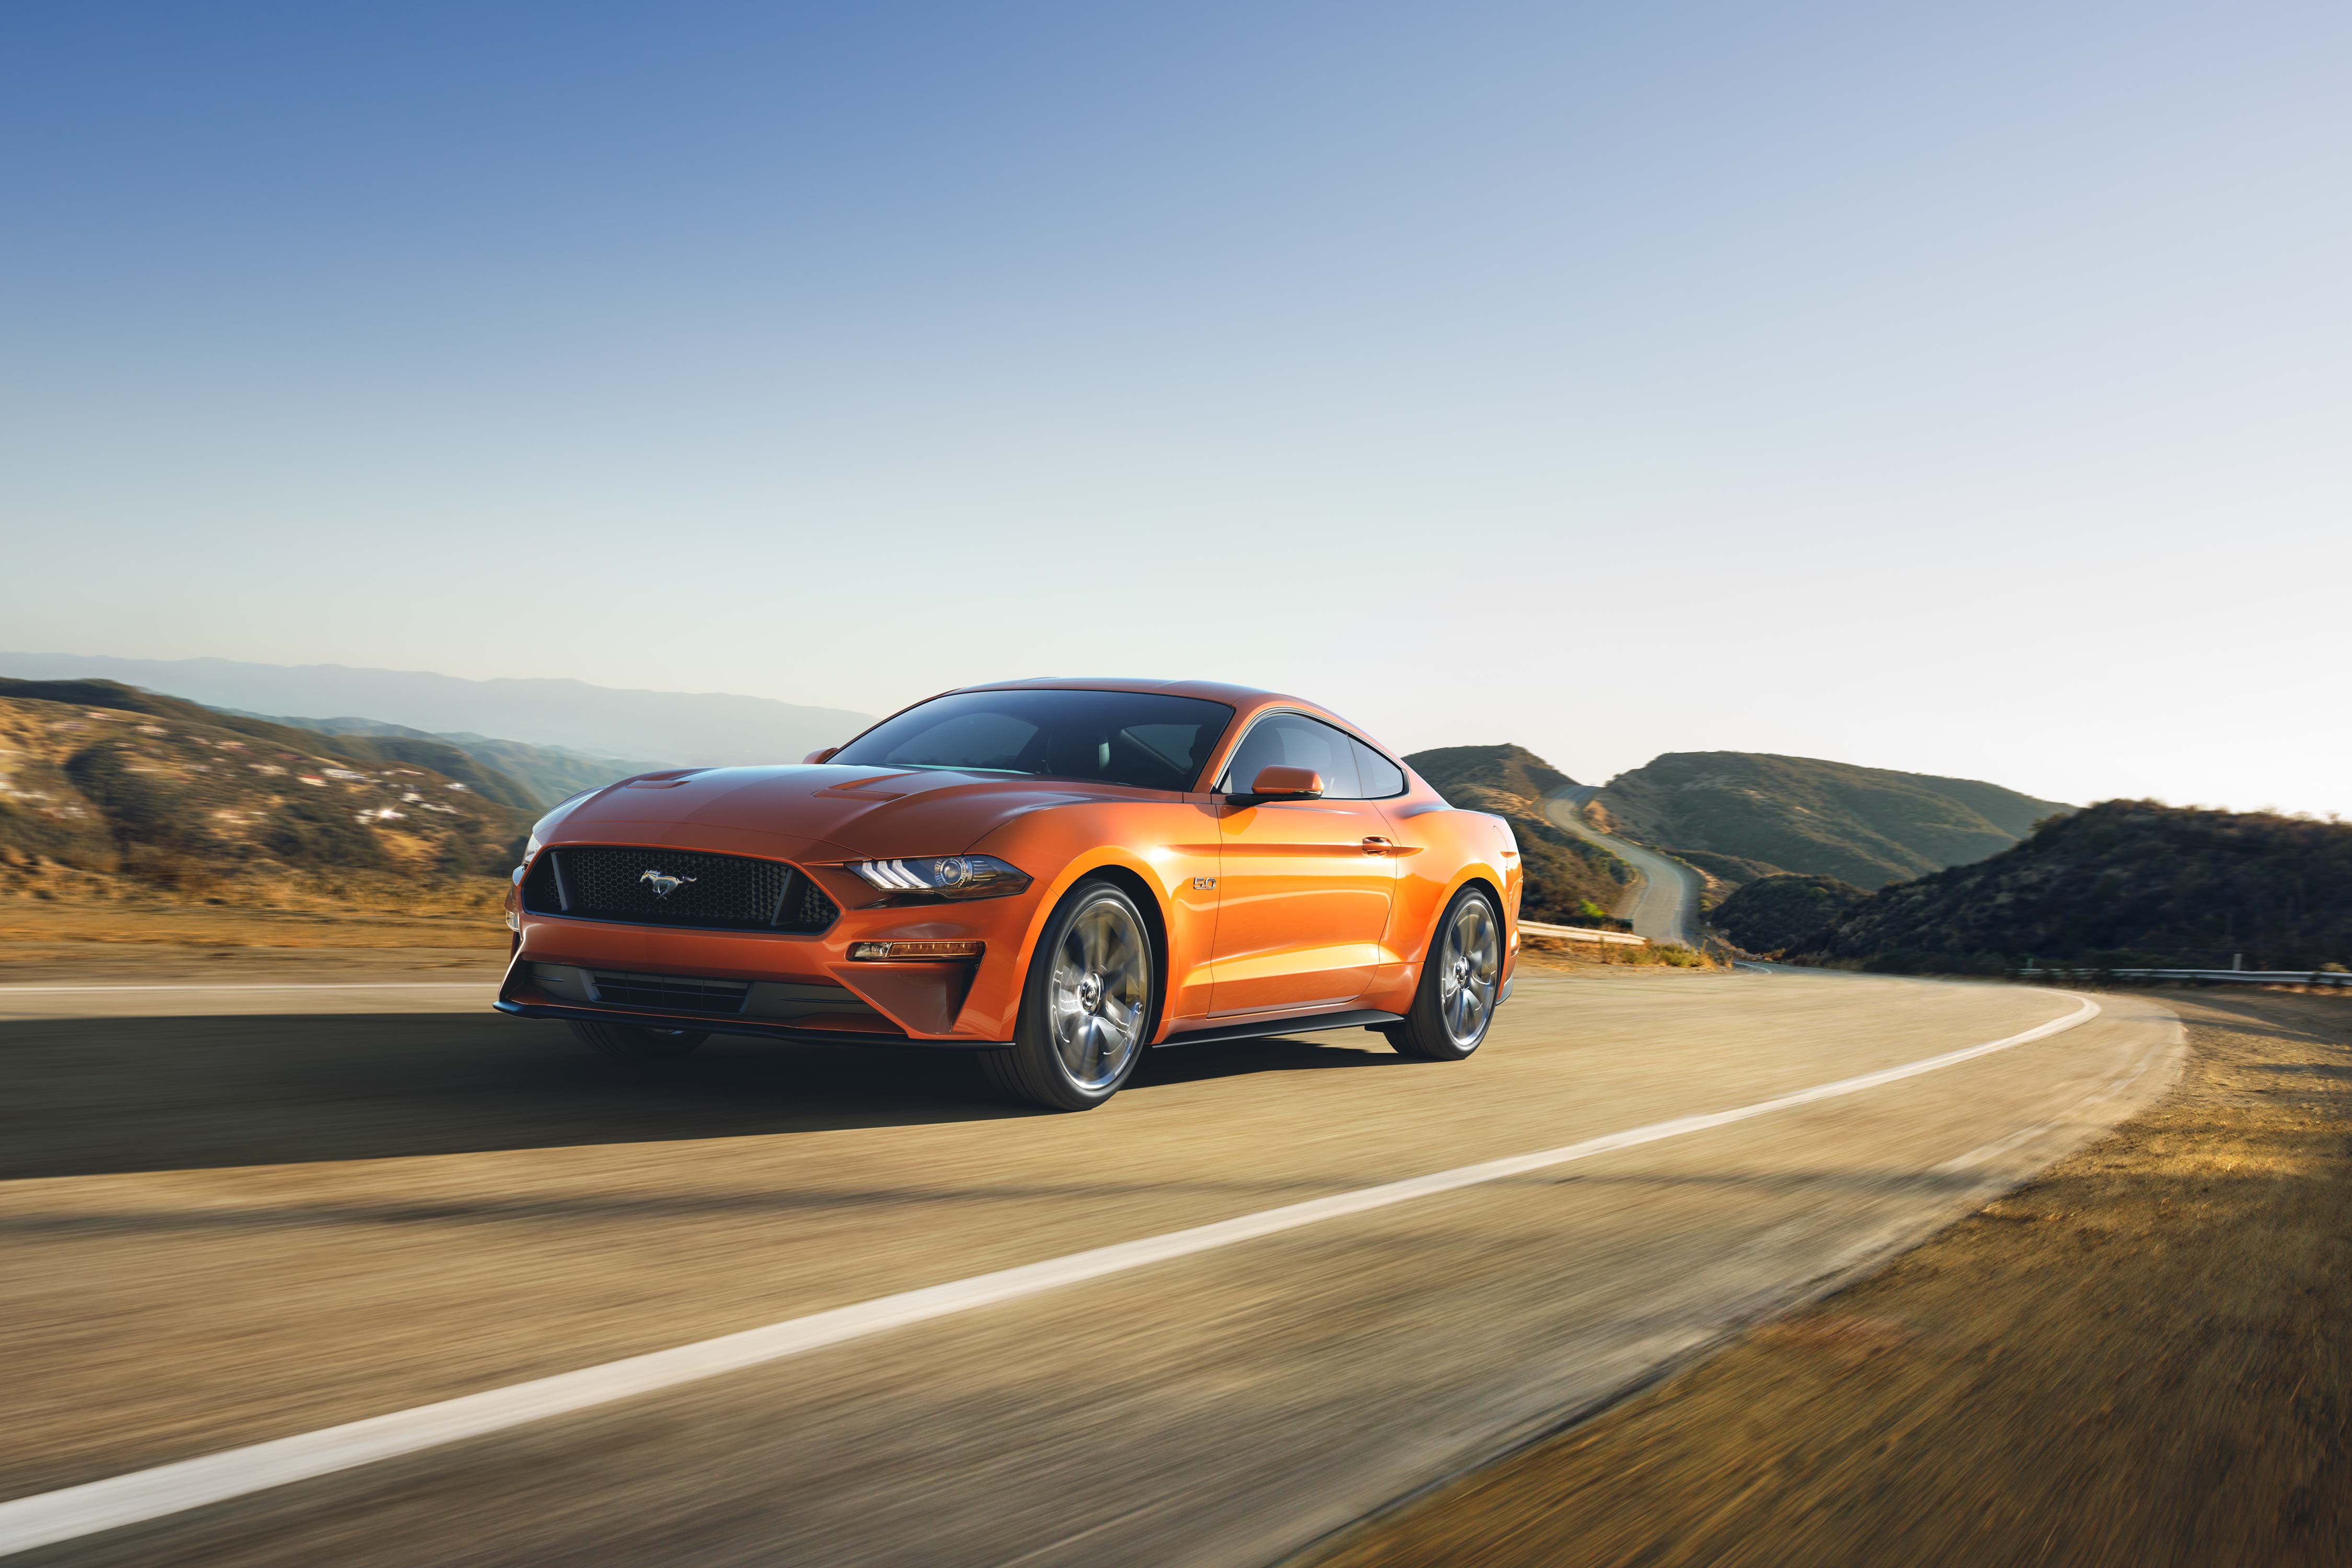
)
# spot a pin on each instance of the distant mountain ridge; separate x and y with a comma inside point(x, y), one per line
point(2123, 883)
point(1740, 815)
point(680, 729)
point(546, 773)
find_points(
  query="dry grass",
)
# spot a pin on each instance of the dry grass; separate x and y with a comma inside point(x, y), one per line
point(460, 915)
point(2140, 1359)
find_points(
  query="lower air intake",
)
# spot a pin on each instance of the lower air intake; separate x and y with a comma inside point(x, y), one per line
point(670, 993)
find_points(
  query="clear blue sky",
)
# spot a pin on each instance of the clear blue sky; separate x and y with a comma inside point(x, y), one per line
point(1962, 389)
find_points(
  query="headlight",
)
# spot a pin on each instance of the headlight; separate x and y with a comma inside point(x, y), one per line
point(532, 847)
point(943, 877)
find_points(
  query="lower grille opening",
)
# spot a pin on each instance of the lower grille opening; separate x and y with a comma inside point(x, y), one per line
point(670, 993)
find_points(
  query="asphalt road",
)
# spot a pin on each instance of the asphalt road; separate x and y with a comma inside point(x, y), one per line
point(233, 1216)
point(1666, 904)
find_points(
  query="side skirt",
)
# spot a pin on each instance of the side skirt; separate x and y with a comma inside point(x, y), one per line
point(1270, 1026)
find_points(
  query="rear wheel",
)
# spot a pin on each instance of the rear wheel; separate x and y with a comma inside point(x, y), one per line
point(1087, 1006)
point(637, 1043)
point(1455, 1002)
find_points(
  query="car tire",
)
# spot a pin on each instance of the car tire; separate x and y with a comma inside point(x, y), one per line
point(635, 1042)
point(1461, 982)
point(1087, 1007)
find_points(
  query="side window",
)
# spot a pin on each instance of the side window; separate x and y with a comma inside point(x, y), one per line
point(1379, 777)
point(1294, 740)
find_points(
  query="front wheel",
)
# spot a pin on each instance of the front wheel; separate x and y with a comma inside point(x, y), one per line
point(635, 1042)
point(1087, 1006)
point(1455, 1004)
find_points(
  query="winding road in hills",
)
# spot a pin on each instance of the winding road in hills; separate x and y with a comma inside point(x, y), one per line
point(304, 1270)
point(1666, 901)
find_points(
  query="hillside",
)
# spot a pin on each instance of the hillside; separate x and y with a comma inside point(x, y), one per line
point(1570, 881)
point(1740, 814)
point(547, 774)
point(1770, 913)
point(105, 790)
point(400, 748)
point(2124, 882)
point(690, 728)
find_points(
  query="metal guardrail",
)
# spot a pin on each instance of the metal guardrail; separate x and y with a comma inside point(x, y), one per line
point(2220, 976)
point(1584, 933)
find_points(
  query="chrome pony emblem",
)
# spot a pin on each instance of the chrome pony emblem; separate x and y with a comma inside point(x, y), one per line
point(664, 884)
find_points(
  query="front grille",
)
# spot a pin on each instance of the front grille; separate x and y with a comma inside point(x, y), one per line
point(720, 892)
point(806, 907)
point(670, 993)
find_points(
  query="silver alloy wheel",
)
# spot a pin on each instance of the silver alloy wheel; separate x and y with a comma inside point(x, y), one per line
point(1470, 966)
point(1100, 993)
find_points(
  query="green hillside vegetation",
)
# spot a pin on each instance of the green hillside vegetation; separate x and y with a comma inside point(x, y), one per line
point(1770, 913)
point(2124, 883)
point(1738, 815)
point(101, 783)
point(1568, 882)
point(551, 773)
point(546, 773)
point(1732, 870)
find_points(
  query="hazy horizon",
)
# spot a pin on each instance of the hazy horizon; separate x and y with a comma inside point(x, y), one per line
point(50, 665)
point(1955, 393)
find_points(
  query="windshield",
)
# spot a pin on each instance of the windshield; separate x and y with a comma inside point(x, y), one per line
point(1135, 738)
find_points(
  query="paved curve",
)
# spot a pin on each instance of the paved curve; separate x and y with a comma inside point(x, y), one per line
point(233, 1216)
point(1666, 904)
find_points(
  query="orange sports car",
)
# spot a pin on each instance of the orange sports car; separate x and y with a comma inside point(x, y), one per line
point(1055, 874)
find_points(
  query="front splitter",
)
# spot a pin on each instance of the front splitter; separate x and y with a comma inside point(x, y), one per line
point(723, 1025)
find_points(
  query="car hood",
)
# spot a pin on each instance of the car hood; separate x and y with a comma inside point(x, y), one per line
point(813, 808)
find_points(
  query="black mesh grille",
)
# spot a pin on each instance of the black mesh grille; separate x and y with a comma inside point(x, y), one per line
point(806, 907)
point(676, 888)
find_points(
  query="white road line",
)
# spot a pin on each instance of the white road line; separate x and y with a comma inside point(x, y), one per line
point(50, 1517)
point(2122, 1083)
point(7, 991)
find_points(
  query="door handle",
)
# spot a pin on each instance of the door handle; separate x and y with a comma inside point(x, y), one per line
point(1379, 847)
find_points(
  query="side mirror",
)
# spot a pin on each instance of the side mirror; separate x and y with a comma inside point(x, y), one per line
point(1286, 783)
point(821, 756)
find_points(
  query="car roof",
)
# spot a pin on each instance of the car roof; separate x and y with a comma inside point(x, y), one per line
point(1213, 691)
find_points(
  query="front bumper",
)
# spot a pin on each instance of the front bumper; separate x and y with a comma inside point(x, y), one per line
point(556, 959)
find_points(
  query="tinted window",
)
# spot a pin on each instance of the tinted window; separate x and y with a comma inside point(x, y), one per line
point(1294, 740)
point(990, 741)
point(1135, 737)
point(1381, 778)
